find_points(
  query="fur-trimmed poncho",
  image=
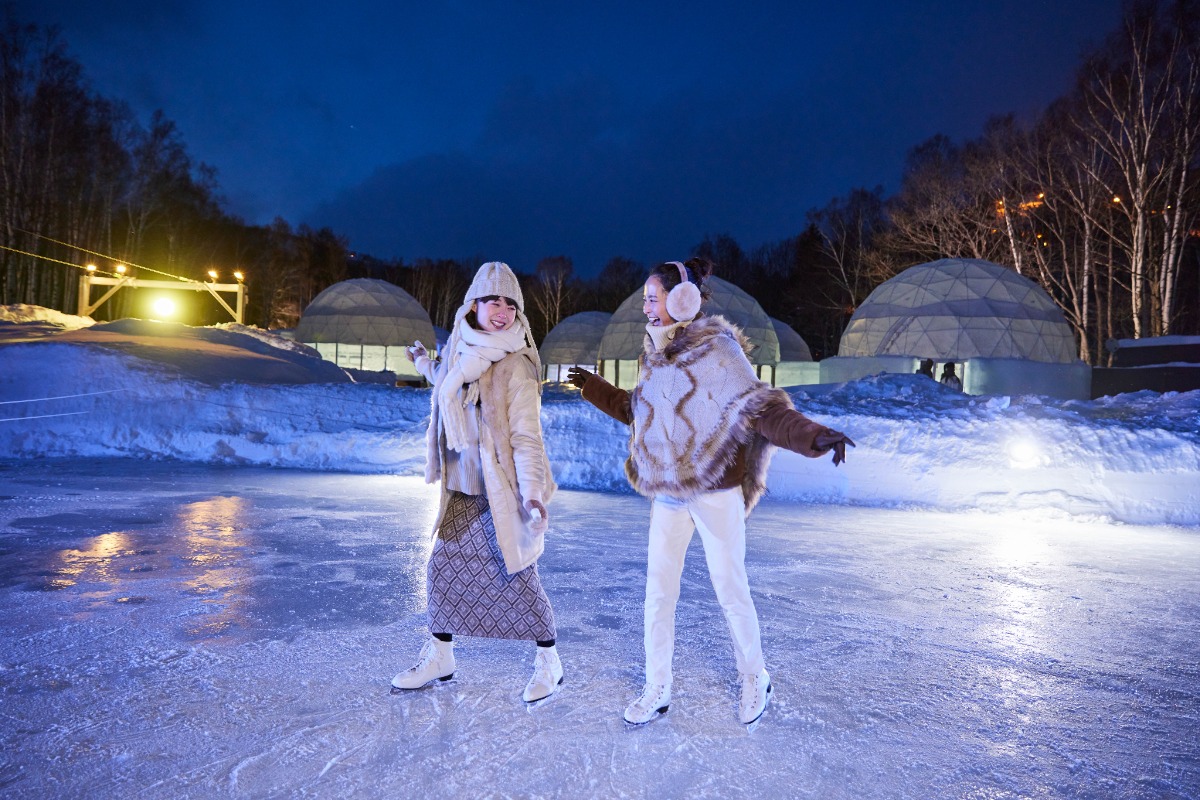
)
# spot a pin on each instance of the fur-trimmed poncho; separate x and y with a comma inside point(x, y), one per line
point(701, 419)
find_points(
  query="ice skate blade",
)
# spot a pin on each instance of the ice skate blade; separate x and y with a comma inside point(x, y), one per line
point(659, 712)
point(399, 690)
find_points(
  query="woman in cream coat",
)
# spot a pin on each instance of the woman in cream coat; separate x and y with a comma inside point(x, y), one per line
point(485, 446)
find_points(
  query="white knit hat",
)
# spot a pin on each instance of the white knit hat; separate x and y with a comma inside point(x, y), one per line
point(496, 278)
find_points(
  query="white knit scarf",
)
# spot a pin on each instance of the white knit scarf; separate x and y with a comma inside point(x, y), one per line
point(471, 353)
point(661, 334)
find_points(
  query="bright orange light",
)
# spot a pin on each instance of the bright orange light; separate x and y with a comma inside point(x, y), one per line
point(239, 276)
point(120, 269)
point(90, 267)
point(1116, 199)
point(212, 273)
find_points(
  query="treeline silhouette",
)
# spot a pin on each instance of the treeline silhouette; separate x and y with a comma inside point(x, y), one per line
point(1096, 200)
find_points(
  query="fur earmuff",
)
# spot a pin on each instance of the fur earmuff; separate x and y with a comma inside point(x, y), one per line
point(683, 302)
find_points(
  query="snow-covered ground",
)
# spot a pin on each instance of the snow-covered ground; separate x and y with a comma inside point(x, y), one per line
point(233, 395)
point(211, 560)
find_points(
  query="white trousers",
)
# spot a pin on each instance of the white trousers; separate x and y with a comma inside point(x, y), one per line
point(720, 517)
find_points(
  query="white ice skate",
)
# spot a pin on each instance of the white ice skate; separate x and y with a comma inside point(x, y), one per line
point(756, 692)
point(436, 662)
point(547, 675)
point(655, 700)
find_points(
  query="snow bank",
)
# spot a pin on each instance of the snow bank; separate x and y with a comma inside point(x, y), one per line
point(218, 395)
point(21, 313)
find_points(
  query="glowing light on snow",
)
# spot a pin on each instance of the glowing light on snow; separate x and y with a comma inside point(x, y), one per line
point(1024, 454)
point(164, 307)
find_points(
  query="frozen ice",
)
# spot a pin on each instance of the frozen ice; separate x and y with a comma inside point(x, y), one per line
point(182, 630)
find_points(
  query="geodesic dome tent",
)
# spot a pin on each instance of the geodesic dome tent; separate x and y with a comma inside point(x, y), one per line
point(575, 341)
point(792, 346)
point(960, 308)
point(366, 324)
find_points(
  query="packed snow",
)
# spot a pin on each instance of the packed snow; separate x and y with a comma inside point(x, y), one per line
point(233, 395)
point(212, 550)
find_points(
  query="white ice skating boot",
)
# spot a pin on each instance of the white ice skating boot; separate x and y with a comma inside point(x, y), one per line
point(655, 700)
point(756, 691)
point(547, 675)
point(436, 662)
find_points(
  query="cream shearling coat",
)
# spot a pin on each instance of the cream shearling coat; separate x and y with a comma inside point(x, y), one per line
point(515, 465)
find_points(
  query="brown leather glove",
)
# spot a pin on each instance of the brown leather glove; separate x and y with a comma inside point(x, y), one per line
point(835, 441)
point(578, 376)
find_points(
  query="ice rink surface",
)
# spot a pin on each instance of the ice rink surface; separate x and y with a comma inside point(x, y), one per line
point(180, 630)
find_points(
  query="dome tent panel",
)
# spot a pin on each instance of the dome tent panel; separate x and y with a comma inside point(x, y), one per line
point(988, 340)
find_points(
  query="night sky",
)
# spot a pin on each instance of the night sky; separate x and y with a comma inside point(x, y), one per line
point(516, 131)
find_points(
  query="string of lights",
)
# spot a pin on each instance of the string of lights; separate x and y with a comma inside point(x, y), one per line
point(100, 255)
point(55, 260)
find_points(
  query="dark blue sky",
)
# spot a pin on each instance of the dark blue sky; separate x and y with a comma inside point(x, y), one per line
point(520, 130)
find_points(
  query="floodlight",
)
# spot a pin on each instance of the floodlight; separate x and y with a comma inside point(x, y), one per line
point(163, 307)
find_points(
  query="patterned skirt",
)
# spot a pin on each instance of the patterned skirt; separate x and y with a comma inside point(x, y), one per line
point(470, 592)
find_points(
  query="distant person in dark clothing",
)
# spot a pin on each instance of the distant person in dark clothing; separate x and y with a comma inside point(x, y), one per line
point(926, 368)
point(949, 378)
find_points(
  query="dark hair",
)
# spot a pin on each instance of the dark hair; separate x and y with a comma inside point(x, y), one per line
point(698, 269)
point(473, 320)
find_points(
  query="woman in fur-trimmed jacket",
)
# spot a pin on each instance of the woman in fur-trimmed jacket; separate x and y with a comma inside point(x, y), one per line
point(485, 446)
point(703, 429)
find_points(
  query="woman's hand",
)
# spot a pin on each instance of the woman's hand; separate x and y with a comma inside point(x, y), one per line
point(578, 376)
point(537, 511)
point(416, 351)
point(835, 441)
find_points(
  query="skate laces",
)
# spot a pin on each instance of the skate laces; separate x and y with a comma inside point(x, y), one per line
point(543, 664)
point(751, 690)
point(427, 657)
point(652, 695)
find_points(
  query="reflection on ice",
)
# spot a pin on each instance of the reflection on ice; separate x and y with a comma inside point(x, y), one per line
point(93, 563)
point(215, 542)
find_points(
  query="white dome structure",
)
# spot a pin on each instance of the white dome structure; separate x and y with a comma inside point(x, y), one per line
point(575, 341)
point(956, 309)
point(366, 324)
point(792, 346)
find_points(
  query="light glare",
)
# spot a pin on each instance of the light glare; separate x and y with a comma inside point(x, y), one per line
point(1024, 454)
point(164, 307)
